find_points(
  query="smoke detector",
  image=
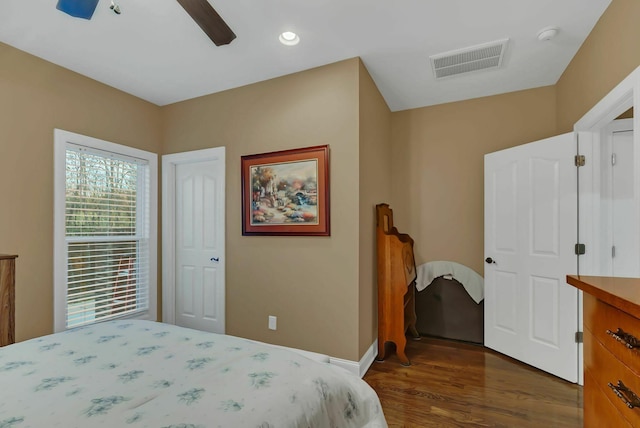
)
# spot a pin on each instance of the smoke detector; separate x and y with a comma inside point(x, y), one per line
point(547, 33)
point(474, 58)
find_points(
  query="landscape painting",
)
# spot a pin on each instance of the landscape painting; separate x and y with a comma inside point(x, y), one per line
point(286, 193)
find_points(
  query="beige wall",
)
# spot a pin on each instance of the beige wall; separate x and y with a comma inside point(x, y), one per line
point(312, 284)
point(309, 283)
point(36, 97)
point(375, 188)
point(438, 167)
point(608, 55)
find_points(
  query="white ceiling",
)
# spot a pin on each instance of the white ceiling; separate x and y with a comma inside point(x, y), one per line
point(154, 50)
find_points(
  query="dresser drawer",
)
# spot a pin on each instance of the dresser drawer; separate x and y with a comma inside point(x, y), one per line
point(599, 411)
point(605, 369)
point(600, 317)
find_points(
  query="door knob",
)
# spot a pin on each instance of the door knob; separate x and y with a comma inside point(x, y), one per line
point(215, 259)
point(490, 260)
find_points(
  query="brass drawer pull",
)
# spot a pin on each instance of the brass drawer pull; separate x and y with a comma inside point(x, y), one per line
point(627, 339)
point(627, 396)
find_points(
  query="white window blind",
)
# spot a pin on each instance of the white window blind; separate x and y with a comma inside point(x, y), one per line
point(107, 235)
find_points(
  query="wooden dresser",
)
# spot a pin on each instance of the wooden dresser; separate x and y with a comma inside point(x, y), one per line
point(396, 285)
point(7, 299)
point(611, 350)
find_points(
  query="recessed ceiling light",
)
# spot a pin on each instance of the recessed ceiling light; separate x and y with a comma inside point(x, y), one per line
point(289, 38)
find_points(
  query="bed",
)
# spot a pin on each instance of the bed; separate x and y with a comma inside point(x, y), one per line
point(148, 374)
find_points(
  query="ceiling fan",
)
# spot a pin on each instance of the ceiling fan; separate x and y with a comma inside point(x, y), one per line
point(200, 11)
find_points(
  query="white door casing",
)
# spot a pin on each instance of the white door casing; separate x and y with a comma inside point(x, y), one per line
point(607, 205)
point(194, 239)
point(624, 96)
point(531, 314)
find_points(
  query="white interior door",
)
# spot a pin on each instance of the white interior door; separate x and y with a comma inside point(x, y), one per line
point(531, 314)
point(195, 292)
point(624, 224)
point(615, 237)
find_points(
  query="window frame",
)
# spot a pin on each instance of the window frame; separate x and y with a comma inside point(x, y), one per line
point(61, 139)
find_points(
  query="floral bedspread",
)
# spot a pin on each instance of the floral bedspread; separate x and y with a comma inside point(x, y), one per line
point(147, 374)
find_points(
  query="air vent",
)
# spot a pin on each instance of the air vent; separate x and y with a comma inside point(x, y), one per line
point(474, 58)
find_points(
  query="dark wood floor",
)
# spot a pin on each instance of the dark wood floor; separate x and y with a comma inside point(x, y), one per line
point(454, 384)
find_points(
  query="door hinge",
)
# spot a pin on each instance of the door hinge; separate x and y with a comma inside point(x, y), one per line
point(613, 159)
point(579, 337)
point(579, 160)
point(613, 251)
point(580, 249)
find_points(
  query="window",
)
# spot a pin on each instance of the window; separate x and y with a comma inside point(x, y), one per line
point(105, 214)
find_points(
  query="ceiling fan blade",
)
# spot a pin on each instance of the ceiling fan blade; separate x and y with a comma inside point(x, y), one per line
point(208, 19)
point(78, 8)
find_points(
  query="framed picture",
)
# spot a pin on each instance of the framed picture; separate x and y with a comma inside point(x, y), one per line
point(286, 193)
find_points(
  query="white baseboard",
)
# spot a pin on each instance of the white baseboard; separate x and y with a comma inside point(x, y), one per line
point(358, 368)
point(321, 358)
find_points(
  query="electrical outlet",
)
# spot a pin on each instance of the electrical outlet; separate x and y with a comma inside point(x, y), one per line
point(273, 322)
